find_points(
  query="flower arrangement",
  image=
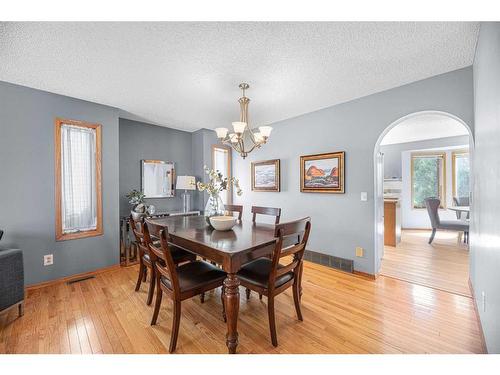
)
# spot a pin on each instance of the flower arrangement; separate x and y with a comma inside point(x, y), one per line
point(136, 199)
point(218, 183)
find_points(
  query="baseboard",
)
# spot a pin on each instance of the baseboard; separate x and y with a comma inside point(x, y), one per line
point(481, 332)
point(366, 275)
point(71, 277)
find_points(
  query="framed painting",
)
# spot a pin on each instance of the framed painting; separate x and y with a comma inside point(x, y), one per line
point(322, 173)
point(266, 175)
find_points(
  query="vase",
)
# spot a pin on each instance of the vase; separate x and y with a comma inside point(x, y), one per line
point(214, 207)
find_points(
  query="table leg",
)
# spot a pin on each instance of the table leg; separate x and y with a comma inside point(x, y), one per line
point(232, 302)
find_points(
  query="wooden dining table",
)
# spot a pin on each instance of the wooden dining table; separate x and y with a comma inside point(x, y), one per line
point(231, 249)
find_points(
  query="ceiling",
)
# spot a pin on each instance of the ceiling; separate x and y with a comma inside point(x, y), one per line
point(422, 127)
point(186, 75)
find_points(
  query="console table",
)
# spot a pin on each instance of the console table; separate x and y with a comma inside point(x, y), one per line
point(128, 248)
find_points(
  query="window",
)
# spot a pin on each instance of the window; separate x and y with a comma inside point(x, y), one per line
point(460, 174)
point(78, 179)
point(427, 178)
point(221, 161)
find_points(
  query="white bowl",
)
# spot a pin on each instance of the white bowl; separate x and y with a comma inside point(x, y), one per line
point(222, 222)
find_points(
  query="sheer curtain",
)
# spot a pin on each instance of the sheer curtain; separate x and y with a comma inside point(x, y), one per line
point(78, 160)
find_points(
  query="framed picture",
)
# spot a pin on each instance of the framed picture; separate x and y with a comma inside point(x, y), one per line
point(322, 173)
point(266, 175)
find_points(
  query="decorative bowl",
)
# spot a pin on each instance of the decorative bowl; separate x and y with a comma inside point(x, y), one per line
point(222, 223)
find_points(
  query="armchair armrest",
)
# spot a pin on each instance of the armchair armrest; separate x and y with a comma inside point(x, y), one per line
point(11, 278)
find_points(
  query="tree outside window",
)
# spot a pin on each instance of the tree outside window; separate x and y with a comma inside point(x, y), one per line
point(428, 176)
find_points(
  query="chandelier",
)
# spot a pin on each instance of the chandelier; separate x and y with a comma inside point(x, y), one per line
point(244, 139)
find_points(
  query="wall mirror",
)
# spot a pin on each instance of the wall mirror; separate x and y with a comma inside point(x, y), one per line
point(157, 178)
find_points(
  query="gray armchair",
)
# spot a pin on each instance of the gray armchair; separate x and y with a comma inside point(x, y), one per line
point(432, 205)
point(11, 279)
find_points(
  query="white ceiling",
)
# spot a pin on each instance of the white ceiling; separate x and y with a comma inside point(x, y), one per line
point(186, 75)
point(422, 127)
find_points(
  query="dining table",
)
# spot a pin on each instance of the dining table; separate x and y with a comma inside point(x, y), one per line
point(230, 249)
point(460, 209)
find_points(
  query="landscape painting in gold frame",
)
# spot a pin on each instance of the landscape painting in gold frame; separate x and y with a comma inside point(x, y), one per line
point(322, 173)
point(266, 175)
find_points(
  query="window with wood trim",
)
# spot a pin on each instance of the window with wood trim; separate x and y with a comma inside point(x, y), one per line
point(78, 179)
point(428, 176)
point(460, 174)
point(221, 161)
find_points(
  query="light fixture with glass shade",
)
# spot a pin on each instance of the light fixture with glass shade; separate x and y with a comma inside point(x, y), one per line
point(244, 139)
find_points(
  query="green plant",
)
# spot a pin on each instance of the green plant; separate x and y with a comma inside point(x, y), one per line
point(135, 197)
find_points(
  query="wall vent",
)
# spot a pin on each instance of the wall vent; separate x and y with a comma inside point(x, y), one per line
point(342, 264)
point(80, 279)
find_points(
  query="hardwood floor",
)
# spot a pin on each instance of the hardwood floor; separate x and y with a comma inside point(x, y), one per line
point(443, 265)
point(342, 314)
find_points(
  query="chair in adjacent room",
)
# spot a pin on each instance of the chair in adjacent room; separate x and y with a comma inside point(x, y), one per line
point(432, 205)
point(180, 282)
point(269, 277)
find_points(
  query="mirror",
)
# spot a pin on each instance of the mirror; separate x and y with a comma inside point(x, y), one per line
point(157, 178)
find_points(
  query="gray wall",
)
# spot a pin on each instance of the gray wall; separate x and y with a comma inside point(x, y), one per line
point(139, 141)
point(392, 153)
point(485, 217)
point(340, 222)
point(27, 182)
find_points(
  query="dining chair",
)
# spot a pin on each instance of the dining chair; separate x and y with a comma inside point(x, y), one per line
point(271, 211)
point(147, 260)
point(461, 201)
point(181, 282)
point(432, 205)
point(232, 208)
point(270, 278)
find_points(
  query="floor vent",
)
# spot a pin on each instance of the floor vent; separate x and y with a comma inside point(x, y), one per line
point(342, 264)
point(81, 279)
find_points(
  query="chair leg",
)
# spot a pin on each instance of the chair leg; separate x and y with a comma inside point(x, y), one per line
point(223, 290)
point(176, 319)
point(145, 276)
point(202, 297)
point(260, 296)
point(432, 235)
point(159, 294)
point(21, 309)
point(296, 299)
point(140, 277)
point(248, 291)
point(272, 321)
point(152, 284)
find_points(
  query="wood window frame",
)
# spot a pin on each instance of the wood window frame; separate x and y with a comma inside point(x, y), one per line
point(454, 155)
point(229, 166)
point(60, 235)
point(442, 177)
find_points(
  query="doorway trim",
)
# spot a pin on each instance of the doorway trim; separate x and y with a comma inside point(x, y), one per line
point(379, 203)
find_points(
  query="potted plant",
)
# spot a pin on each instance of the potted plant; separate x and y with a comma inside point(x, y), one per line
point(214, 187)
point(136, 199)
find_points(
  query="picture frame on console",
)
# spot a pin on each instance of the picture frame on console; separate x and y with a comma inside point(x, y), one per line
point(323, 173)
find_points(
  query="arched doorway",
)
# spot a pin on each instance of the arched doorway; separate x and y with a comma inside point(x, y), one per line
point(379, 176)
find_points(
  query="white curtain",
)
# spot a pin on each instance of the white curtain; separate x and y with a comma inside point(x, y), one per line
point(79, 206)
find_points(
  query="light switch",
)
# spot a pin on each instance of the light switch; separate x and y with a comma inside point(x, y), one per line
point(364, 196)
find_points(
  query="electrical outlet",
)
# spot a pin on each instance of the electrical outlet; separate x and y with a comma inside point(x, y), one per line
point(364, 196)
point(48, 259)
point(483, 301)
point(359, 252)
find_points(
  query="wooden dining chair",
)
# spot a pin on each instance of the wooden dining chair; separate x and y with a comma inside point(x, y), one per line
point(147, 260)
point(270, 278)
point(232, 208)
point(181, 282)
point(270, 211)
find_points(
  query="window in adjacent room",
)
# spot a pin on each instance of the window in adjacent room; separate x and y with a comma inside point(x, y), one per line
point(428, 178)
point(460, 174)
point(78, 179)
point(221, 161)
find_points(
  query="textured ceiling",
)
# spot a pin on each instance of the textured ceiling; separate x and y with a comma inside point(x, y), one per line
point(186, 75)
point(422, 127)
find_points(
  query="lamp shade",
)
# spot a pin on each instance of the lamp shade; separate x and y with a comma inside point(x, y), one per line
point(186, 183)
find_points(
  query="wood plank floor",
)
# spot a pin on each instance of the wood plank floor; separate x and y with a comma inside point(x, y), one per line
point(443, 265)
point(343, 313)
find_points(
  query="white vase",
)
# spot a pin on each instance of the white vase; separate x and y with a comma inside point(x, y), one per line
point(214, 207)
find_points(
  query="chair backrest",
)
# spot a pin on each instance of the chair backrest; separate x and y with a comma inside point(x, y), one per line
point(234, 208)
point(298, 229)
point(432, 205)
point(271, 211)
point(137, 229)
point(168, 269)
point(461, 201)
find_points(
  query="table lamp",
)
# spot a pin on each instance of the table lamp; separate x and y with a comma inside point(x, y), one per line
point(186, 183)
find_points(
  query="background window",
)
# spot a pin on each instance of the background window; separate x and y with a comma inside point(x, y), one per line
point(427, 178)
point(460, 164)
point(78, 179)
point(221, 161)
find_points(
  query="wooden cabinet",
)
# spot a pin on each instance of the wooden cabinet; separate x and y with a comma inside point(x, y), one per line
point(392, 222)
